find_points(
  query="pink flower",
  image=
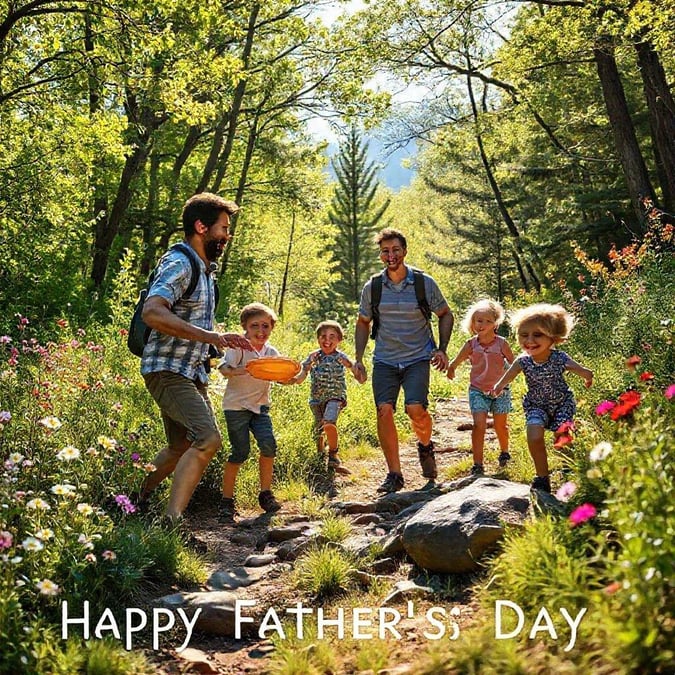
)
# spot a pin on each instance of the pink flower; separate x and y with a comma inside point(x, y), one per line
point(670, 392)
point(582, 513)
point(565, 491)
point(604, 407)
point(6, 539)
point(633, 361)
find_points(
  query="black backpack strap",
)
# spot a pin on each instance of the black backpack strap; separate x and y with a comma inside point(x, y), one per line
point(421, 294)
point(375, 297)
point(194, 265)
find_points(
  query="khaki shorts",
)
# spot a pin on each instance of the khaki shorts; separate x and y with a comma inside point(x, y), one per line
point(186, 410)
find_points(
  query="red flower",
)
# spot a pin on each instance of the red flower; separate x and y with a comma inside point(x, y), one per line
point(613, 587)
point(646, 376)
point(628, 401)
point(565, 427)
point(562, 440)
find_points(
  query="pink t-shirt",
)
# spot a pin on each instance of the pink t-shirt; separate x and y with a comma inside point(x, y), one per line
point(487, 362)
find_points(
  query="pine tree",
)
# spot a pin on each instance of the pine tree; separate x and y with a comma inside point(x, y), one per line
point(355, 213)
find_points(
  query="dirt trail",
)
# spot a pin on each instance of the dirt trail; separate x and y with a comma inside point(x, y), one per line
point(228, 546)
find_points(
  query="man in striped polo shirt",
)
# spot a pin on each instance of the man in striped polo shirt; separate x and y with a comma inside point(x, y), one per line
point(404, 352)
point(173, 359)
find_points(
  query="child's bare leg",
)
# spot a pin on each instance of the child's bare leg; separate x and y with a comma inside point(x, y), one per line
point(478, 436)
point(502, 430)
point(537, 446)
point(331, 436)
point(266, 467)
point(230, 478)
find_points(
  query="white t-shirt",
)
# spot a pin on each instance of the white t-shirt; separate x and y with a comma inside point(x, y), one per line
point(244, 392)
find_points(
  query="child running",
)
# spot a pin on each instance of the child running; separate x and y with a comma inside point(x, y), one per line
point(328, 393)
point(488, 353)
point(549, 402)
point(246, 404)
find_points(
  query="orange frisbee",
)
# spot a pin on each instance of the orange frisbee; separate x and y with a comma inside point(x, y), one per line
point(273, 368)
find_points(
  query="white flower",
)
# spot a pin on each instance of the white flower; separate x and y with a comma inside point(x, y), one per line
point(39, 504)
point(44, 534)
point(650, 573)
point(85, 509)
point(47, 587)
point(68, 453)
point(16, 458)
point(50, 422)
point(109, 555)
point(32, 544)
point(600, 451)
point(63, 489)
point(16, 560)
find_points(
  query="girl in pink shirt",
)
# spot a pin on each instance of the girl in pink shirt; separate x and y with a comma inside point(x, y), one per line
point(488, 353)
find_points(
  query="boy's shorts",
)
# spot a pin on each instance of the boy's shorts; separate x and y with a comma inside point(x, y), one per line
point(327, 411)
point(479, 402)
point(241, 424)
point(388, 380)
point(186, 410)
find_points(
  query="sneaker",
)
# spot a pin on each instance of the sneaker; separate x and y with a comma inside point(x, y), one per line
point(268, 502)
point(427, 460)
point(392, 483)
point(504, 457)
point(477, 470)
point(541, 483)
point(228, 510)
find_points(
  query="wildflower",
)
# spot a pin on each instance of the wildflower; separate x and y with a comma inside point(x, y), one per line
point(51, 423)
point(613, 587)
point(565, 491)
point(85, 509)
point(109, 555)
point(67, 454)
point(594, 473)
point(670, 392)
point(63, 489)
point(149, 467)
point(628, 401)
point(38, 504)
point(5, 416)
point(646, 376)
point(16, 458)
point(32, 544)
point(604, 407)
point(85, 541)
point(90, 557)
point(582, 513)
point(16, 560)
point(135, 457)
point(6, 539)
point(61, 323)
point(633, 361)
point(125, 504)
point(44, 533)
point(562, 440)
point(600, 451)
point(5, 340)
point(106, 442)
point(47, 587)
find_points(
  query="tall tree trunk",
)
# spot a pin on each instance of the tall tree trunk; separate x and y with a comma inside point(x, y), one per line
point(150, 217)
point(661, 119)
point(229, 120)
point(499, 199)
point(241, 187)
point(625, 140)
point(284, 281)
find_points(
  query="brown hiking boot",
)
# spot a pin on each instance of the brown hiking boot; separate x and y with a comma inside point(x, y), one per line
point(427, 460)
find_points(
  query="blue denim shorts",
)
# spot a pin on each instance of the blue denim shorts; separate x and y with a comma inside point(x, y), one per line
point(241, 424)
point(481, 402)
point(388, 380)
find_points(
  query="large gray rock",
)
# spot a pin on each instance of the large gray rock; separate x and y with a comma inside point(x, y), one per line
point(449, 534)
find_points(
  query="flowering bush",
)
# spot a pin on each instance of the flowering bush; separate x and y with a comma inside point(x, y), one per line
point(75, 439)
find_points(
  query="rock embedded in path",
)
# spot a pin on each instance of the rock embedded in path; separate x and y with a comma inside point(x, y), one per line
point(237, 577)
point(259, 560)
point(368, 519)
point(406, 589)
point(217, 611)
point(449, 534)
point(279, 534)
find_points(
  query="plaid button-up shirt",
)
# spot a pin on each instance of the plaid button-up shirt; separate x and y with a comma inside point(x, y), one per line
point(177, 355)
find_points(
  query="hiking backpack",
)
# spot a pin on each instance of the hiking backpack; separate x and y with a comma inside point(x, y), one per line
point(139, 331)
point(376, 296)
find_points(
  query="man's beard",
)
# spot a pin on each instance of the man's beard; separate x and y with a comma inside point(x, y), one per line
point(214, 248)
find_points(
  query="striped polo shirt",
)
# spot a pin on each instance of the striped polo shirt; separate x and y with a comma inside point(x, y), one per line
point(174, 354)
point(404, 336)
